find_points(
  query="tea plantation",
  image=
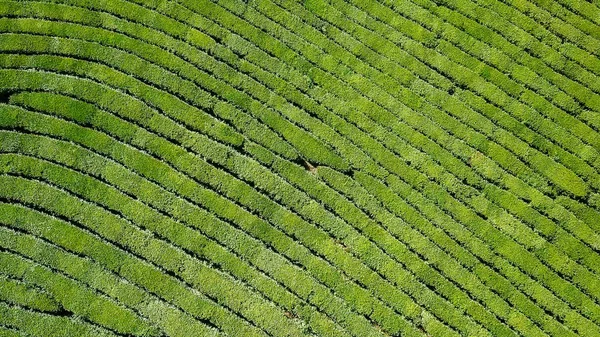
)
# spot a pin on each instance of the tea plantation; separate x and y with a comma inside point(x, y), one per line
point(290, 168)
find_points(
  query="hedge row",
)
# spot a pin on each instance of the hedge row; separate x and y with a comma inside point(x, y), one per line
point(219, 207)
point(177, 273)
point(574, 144)
point(329, 11)
point(585, 12)
point(241, 190)
point(551, 30)
point(69, 293)
point(347, 238)
point(203, 99)
point(99, 118)
point(487, 35)
point(213, 87)
point(523, 47)
point(545, 165)
point(52, 260)
point(190, 240)
point(23, 294)
point(512, 261)
point(469, 250)
point(542, 166)
point(18, 321)
point(47, 103)
point(275, 83)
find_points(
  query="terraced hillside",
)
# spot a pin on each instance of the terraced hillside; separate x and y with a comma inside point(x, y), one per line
point(284, 168)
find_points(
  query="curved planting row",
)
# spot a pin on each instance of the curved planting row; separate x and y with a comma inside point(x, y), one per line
point(198, 168)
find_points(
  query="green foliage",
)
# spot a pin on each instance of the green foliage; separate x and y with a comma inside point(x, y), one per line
point(286, 168)
point(17, 292)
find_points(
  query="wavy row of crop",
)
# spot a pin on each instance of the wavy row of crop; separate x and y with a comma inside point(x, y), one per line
point(553, 59)
point(491, 256)
point(508, 167)
point(355, 193)
point(463, 282)
point(200, 99)
point(458, 45)
point(188, 244)
point(574, 144)
point(188, 269)
point(560, 11)
point(309, 182)
point(144, 191)
point(194, 243)
point(21, 321)
point(551, 30)
point(511, 39)
point(20, 293)
point(55, 261)
point(347, 183)
point(449, 237)
point(217, 66)
point(72, 295)
point(314, 150)
point(587, 11)
point(271, 241)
